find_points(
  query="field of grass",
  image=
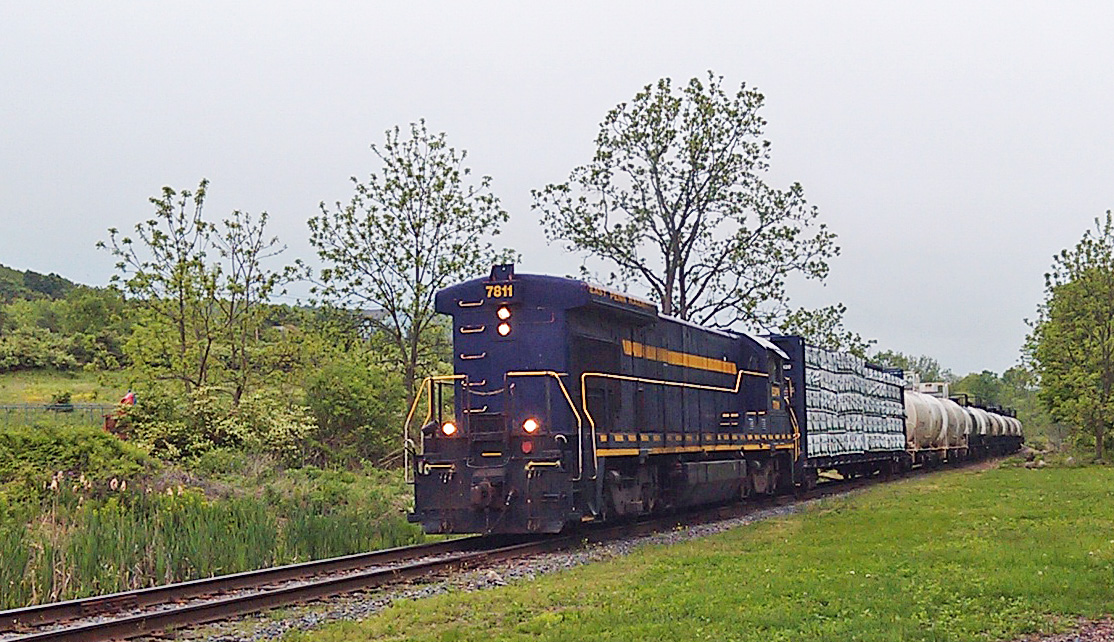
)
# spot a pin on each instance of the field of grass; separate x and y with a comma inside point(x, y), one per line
point(987, 555)
point(38, 386)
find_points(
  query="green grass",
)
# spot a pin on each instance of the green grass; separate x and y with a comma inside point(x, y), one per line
point(38, 386)
point(956, 556)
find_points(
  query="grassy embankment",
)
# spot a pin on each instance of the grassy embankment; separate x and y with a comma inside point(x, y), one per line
point(84, 513)
point(955, 556)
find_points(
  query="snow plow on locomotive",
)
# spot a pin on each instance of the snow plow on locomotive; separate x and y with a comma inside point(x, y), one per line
point(572, 403)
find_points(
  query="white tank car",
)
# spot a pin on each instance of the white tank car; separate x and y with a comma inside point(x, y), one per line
point(925, 425)
point(996, 424)
point(959, 423)
point(980, 419)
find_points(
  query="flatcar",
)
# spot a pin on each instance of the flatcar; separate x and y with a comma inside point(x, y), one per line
point(574, 403)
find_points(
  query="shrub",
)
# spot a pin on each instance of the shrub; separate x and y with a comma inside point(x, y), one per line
point(30, 347)
point(264, 422)
point(359, 410)
point(31, 456)
point(270, 424)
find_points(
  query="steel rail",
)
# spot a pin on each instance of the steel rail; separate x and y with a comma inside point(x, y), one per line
point(45, 614)
point(208, 611)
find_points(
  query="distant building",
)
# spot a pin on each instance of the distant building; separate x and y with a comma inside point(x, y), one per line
point(370, 320)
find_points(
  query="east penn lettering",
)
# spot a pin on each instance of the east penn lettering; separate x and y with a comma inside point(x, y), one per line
point(619, 297)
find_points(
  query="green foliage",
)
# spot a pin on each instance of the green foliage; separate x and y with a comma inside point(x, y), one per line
point(675, 200)
point(996, 555)
point(127, 543)
point(31, 285)
point(413, 227)
point(1071, 345)
point(269, 423)
point(93, 541)
point(177, 428)
point(985, 388)
point(928, 368)
point(823, 327)
point(169, 272)
point(202, 289)
point(32, 456)
point(359, 408)
point(343, 512)
point(28, 348)
point(84, 329)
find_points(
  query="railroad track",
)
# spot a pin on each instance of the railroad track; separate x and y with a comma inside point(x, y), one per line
point(148, 611)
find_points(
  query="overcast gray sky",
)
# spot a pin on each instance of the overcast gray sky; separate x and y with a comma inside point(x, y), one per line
point(953, 146)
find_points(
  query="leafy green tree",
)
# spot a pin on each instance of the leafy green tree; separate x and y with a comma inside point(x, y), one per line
point(984, 388)
point(358, 407)
point(50, 285)
point(928, 368)
point(675, 199)
point(169, 274)
point(1071, 345)
point(246, 287)
point(84, 329)
point(202, 289)
point(416, 225)
point(824, 327)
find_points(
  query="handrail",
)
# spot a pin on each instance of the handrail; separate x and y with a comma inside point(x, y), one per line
point(579, 423)
point(425, 387)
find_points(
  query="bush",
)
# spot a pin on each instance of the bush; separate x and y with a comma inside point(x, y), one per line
point(270, 424)
point(32, 456)
point(26, 348)
point(264, 422)
point(359, 410)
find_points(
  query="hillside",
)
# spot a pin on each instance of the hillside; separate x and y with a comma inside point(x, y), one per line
point(32, 285)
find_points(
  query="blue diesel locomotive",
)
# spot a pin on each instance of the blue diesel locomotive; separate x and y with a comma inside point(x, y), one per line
point(573, 403)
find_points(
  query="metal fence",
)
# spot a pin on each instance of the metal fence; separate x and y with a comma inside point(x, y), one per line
point(73, 414)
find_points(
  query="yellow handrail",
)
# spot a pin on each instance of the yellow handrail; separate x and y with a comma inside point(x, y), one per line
point(425, 387)
point(579, 423)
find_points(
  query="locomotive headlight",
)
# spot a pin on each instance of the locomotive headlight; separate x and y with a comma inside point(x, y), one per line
point(504, 329)
point(503, 313)
point(531, 425)
point(448, 429)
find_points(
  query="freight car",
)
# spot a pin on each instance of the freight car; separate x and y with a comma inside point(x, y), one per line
point(573, 403)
